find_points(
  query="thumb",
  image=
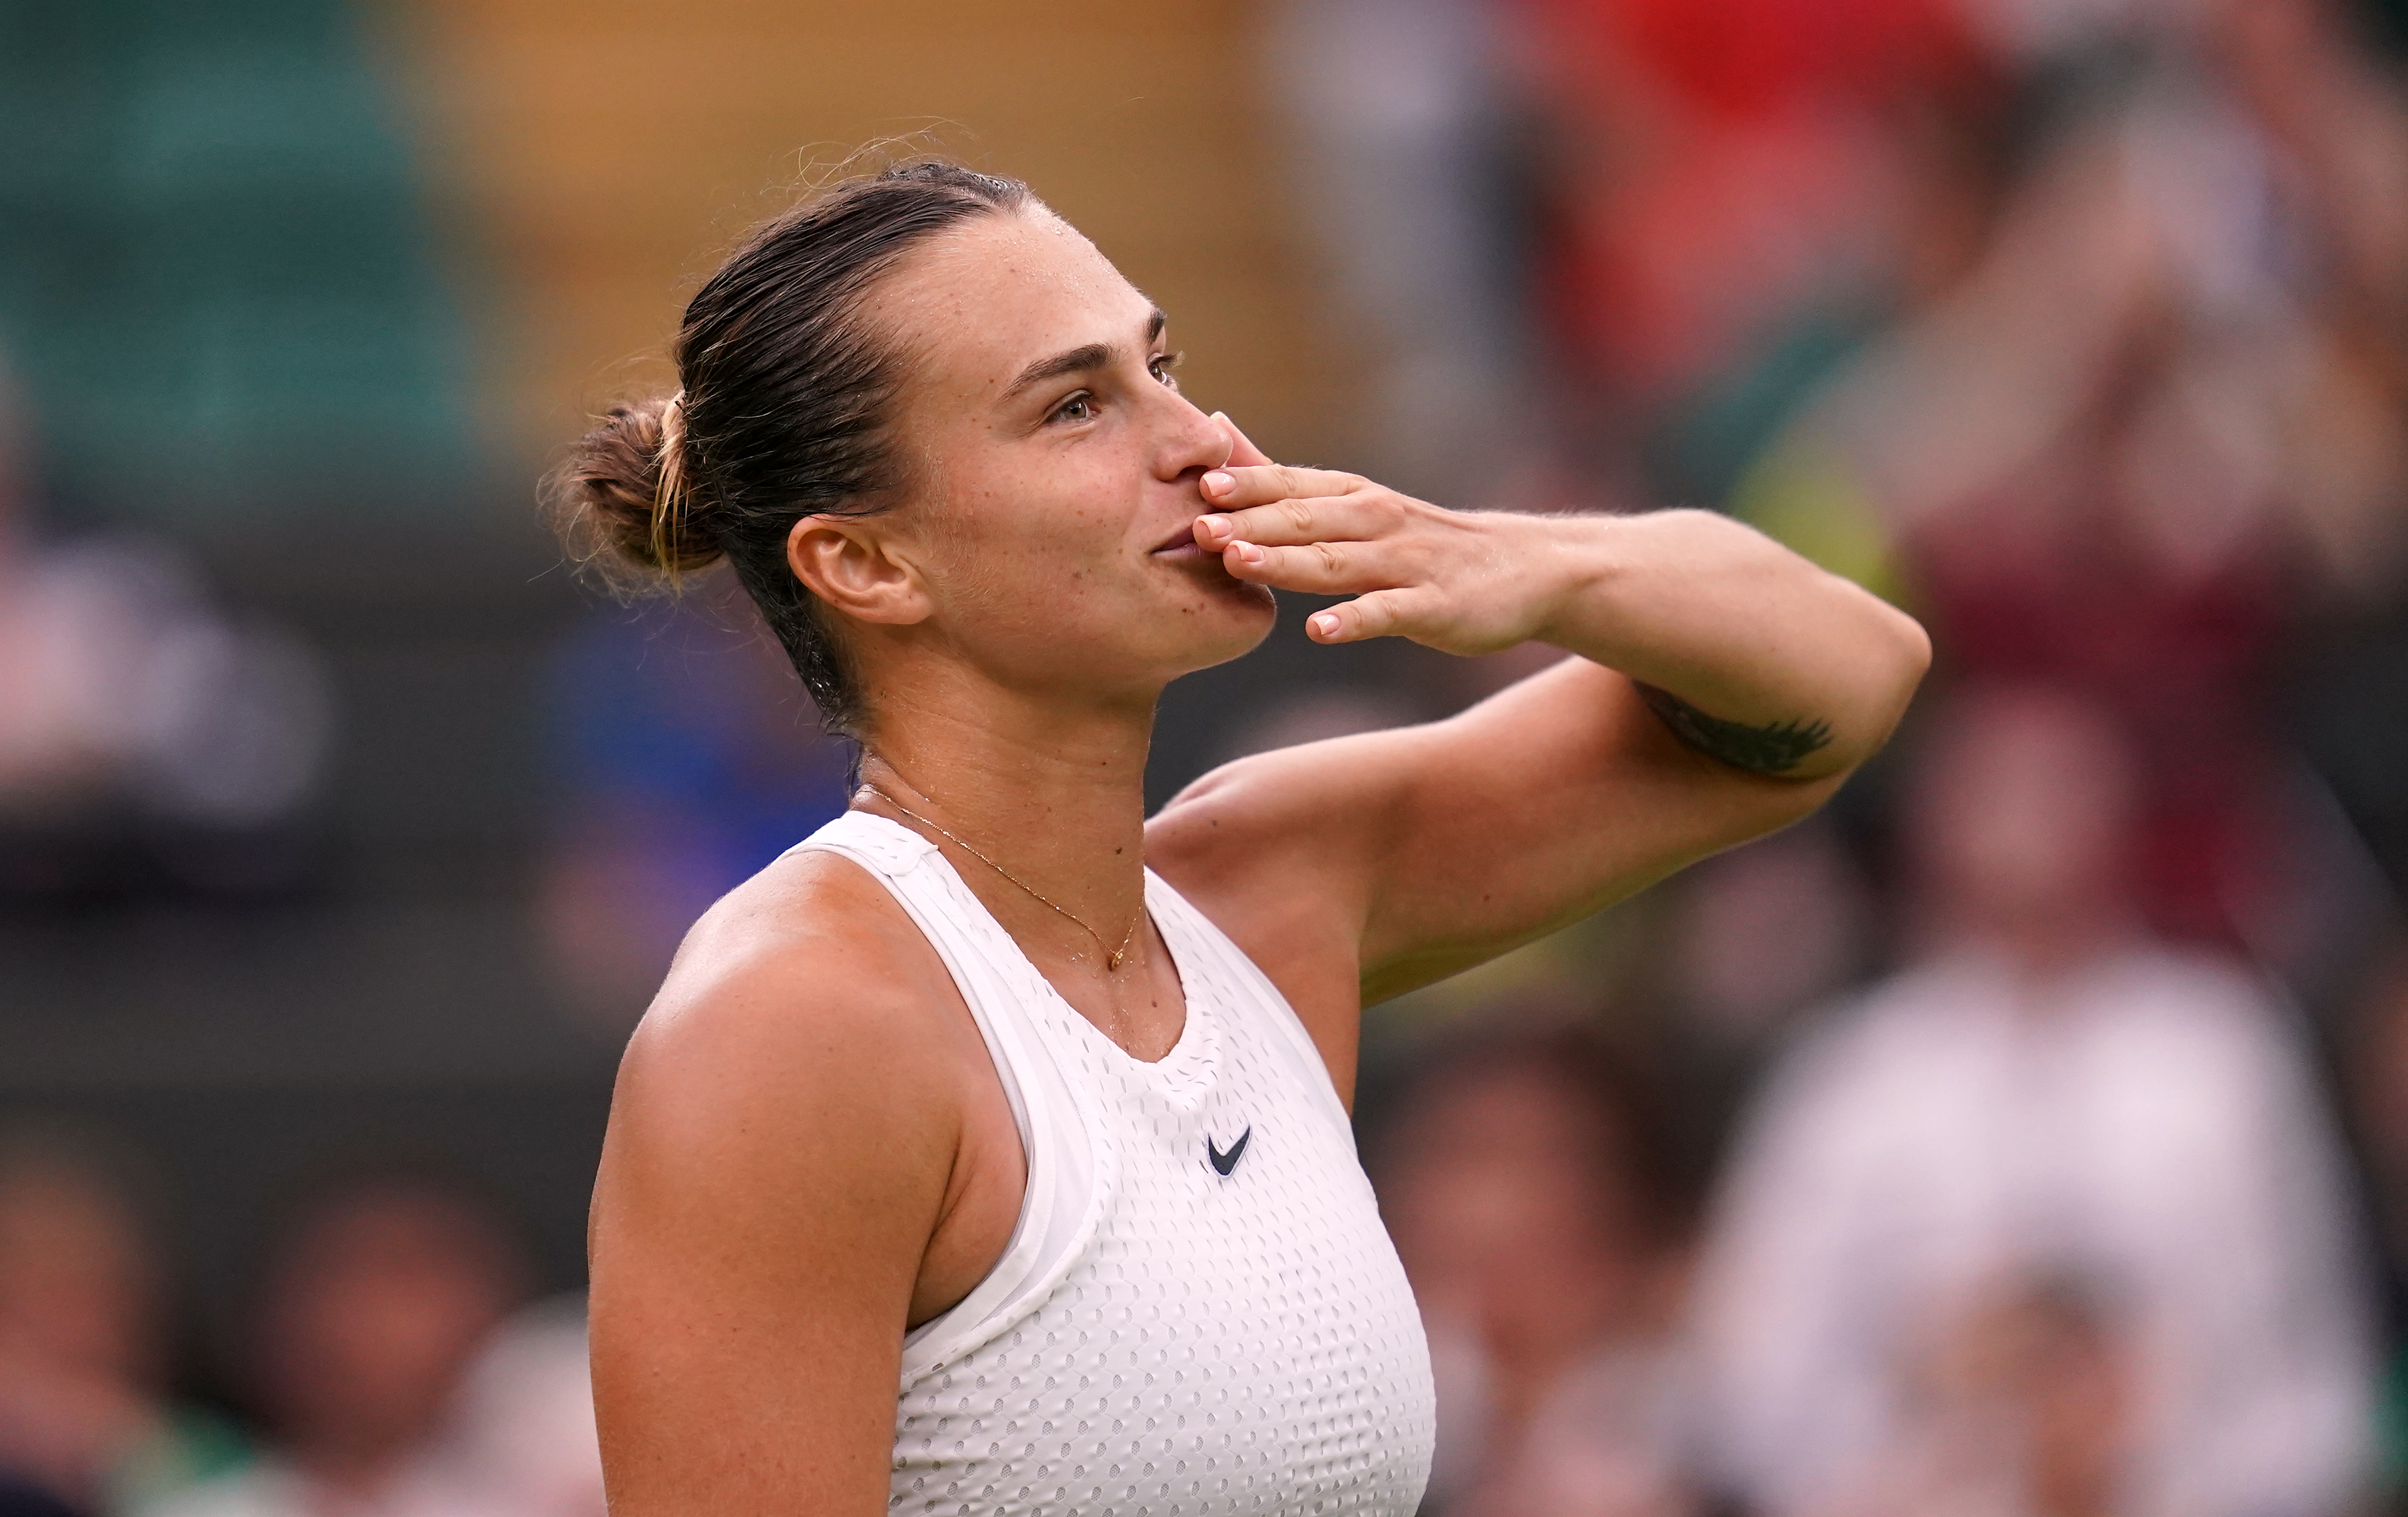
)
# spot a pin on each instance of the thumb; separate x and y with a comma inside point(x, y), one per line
point(1242, 451)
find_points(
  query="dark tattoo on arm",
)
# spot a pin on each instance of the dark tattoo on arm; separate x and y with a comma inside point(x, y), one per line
point(1772, 750)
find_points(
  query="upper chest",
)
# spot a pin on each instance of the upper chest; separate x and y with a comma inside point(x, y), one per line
point(1235, 1114)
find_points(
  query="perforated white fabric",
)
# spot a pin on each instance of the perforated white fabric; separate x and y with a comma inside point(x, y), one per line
point(1160, 1340)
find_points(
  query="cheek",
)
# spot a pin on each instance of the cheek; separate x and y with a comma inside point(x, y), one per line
point(1018, 578)
point(1036, 539)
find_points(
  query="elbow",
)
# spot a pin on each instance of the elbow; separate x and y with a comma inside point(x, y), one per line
point(1885, 670)
point(1911, 655)
point(1896, 673)
point(1913, 661)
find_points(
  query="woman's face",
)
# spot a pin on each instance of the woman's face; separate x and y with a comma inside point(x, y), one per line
point(1057, 468)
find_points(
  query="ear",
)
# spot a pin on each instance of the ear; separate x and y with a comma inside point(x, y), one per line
point(845, 564)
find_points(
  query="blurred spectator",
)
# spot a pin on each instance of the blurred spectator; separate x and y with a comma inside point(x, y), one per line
point(375, 1304)
point(1404, 174)
point(2021, 1400)
point(688, 758)
point(1535, 1199)
point(1602, 246)
point(1762, 931)
point(143, 733)
point(84, 1418)
point(526, 1417)
point(2048, 1096)
point(2155, 430)
point(1731, 192)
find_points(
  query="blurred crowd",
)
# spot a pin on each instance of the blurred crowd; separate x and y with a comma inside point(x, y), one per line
point(382, 1360)
point(2054, 1217)
point(2020, 1138)
point(2028, 1137)
point(148, 738)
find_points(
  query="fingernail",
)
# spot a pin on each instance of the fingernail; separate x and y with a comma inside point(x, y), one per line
point(1220, 416)
point(1215, 526)
point(1218, 483)
point(1325, 623)
point(1249, 553)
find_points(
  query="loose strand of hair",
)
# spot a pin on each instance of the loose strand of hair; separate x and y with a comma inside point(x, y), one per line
point(669, 503)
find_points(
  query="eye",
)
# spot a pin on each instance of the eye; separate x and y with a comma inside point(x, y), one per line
point(1162, 366)
point(1078, 408)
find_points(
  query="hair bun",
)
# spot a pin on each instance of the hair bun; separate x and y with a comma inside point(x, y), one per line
point(627, 496)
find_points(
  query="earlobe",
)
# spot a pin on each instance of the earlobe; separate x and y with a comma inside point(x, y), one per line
point(849, 566)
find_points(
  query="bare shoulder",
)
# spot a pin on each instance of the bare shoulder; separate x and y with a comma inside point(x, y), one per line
point(811, 957)
point(786, 1134)
point(805, 1015)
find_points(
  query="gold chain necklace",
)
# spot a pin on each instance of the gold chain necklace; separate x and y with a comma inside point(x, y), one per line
point(1112, 957)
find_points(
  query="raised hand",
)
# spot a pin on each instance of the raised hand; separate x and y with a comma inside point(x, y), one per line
point(1460, 582)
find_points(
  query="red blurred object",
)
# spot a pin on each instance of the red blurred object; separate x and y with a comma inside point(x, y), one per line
point(1717, 163)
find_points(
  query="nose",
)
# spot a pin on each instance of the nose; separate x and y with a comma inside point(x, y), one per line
point(1187, 440)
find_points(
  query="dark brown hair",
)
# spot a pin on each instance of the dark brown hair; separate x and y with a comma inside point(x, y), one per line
point(781, 414)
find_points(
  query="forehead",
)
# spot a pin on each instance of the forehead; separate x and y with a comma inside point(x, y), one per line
point(979, 302)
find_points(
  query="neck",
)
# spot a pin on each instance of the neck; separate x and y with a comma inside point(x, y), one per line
point(1050, 790)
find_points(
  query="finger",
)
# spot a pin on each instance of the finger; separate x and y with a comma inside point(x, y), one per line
point(1382, 613)
point(1323, 569)
point(1242, 451)
point(1353, 517)
point(1239, 486)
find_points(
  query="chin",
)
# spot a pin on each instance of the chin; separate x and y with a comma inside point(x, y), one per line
point(1144, 643)
point(1232, 622)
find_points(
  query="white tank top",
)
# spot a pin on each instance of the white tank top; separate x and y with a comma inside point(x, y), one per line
point(1199, 1313)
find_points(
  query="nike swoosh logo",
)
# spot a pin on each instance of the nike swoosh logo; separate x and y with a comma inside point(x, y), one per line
point(1221, 1161)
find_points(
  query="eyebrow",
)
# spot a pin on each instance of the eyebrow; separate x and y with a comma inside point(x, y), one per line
point(1079, 360)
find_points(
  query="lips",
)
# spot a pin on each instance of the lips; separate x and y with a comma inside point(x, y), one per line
point(1184, 537)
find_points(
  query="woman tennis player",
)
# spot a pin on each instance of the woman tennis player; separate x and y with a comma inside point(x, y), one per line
point(988, 1153)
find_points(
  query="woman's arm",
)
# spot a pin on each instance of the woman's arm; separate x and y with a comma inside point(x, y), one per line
point(1723, 687)
point(1752, 655)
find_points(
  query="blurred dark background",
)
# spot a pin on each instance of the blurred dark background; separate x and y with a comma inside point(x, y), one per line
point(2027, 1135)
